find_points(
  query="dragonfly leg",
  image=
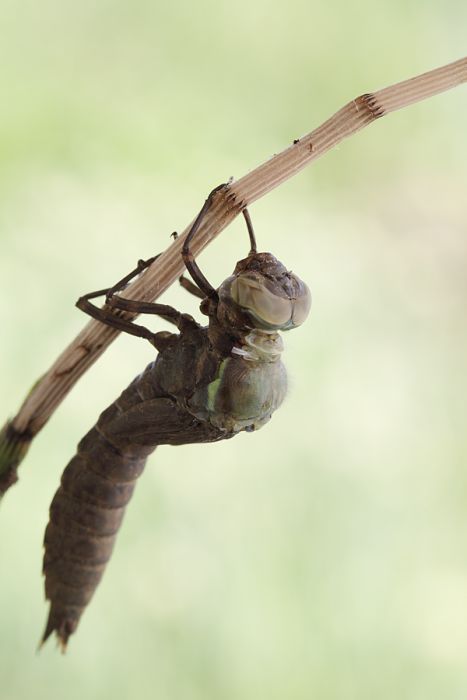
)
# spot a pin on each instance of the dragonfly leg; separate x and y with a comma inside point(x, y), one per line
point(186, 283)
point(168, 313)
point(83, 302)
point(105, 315)
point(110, 318)
point(119, 286)
point(191, 265)
point(190, 287)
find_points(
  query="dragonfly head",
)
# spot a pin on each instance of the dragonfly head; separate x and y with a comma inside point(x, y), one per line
point(262, 294)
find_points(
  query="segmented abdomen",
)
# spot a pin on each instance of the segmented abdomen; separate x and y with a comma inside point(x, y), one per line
point(85, 516)
point(88, 508)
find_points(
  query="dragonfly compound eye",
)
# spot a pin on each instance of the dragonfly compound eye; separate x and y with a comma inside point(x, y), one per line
point(253, 295)
point(302, 304)
point(281, 304)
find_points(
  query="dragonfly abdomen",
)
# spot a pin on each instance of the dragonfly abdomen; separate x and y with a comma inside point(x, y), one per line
point(88, 508)
point(85, 516)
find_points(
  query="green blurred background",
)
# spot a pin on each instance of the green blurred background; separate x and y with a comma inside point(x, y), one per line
point(326, 555)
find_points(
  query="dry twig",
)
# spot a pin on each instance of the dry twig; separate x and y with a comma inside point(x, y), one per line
point(95, 337)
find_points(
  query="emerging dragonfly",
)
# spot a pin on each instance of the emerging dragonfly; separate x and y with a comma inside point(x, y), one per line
point(208, 383)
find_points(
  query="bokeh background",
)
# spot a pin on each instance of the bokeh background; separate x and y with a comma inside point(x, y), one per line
point(326, 555)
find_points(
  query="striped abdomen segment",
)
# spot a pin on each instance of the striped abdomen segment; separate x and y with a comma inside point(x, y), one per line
point(85, 516)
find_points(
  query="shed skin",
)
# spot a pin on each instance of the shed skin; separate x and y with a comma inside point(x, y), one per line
point(208, 383)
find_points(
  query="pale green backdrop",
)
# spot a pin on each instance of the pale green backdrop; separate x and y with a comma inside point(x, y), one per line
point(326, 555)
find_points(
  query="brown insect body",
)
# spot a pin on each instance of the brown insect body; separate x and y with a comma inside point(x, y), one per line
point(206, 384)
point(97, 484)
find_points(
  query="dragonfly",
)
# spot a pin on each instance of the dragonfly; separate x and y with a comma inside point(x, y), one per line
point(207, 383)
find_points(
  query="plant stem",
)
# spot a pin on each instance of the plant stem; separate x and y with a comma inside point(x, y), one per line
point(48, 393)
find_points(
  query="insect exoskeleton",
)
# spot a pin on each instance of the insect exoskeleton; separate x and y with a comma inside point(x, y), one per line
point(208, 383)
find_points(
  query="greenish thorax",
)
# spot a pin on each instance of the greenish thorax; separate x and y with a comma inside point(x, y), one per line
point(250, 385)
